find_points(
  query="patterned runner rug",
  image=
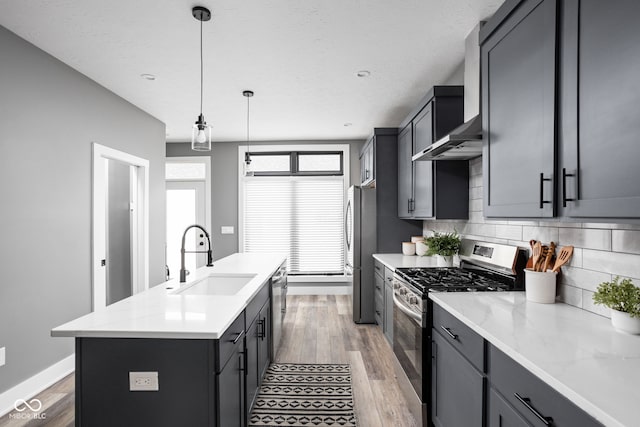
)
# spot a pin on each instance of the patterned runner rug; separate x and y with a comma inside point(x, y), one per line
point(302, 395)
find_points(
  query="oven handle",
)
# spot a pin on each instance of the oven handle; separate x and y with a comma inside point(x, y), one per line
point(416, 317)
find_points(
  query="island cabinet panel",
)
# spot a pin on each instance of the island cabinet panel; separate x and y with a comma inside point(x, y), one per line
point(186, 381)
point(231, 390)
point(258, 344)
point(535, 401)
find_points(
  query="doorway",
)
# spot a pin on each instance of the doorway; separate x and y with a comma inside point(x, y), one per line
point(188, 188)
point(120, 226)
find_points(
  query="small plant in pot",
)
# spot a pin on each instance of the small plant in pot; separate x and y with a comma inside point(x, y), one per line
point(623, 298)
point(445, 246)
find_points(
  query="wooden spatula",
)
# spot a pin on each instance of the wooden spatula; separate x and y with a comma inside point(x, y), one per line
point(550, 253)
point(532, 243)
point(537, 251)
point(563, 257)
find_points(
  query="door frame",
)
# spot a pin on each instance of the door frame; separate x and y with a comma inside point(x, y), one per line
point(140, 221)
point(207, 183)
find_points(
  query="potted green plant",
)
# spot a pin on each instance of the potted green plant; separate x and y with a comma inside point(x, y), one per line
point(623, 298)
point(444, 246)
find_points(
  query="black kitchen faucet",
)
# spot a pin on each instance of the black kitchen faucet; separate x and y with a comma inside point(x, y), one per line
point(183, 271)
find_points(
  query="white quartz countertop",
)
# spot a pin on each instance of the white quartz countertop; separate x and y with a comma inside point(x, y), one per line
point(576, 352)
point(394, 261)
point(160, 313)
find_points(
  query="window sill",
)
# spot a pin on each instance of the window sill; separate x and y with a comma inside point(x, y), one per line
point(318, 279)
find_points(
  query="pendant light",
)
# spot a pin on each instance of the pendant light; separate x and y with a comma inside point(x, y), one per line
point(247, 155)
point(201, 134)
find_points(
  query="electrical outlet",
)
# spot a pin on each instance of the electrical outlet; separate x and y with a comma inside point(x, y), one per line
point(2, 356)
point(226, 229)
point(143, 381)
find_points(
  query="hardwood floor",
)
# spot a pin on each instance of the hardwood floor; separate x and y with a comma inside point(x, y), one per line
point(317, 329)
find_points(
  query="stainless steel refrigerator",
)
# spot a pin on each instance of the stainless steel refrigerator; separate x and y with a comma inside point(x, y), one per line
point(360, 234)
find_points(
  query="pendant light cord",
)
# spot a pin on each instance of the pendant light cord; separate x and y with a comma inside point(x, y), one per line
point(201, 68)
point(248, 120)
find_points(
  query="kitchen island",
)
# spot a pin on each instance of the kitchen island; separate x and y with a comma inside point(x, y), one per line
point(576, 353)
point(177, 354)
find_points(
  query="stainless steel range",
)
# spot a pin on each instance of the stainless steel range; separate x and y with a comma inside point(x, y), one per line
point(484, 267)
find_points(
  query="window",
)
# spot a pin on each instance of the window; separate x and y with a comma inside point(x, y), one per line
point(297, 210)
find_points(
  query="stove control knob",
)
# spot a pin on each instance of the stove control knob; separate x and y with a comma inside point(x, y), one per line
point(403, 291)
point(413, 300)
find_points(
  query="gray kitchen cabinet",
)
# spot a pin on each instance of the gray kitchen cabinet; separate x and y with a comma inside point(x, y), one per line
point(388, 305)
point(518, 63)
point(405, 172)
point(600, 57)
point(559, 121)
point(231, 388)
point(257, 350)
point(379, 306)
point(518, 396)
point(367, 163)
point(426, 189)
point(457, 387)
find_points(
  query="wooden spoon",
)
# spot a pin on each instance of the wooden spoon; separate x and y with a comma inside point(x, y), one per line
point(530, 260)
point(563, 257)
point(550, 253)
point(537, 250)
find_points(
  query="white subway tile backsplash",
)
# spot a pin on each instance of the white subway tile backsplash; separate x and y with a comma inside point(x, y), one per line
point(586, 238)
point(542, 234)
point(585, 279)
point(512, 232)
point(571, 295)
point(601, 250)
point(615, 263)
point(625, 241)
point(587, 304)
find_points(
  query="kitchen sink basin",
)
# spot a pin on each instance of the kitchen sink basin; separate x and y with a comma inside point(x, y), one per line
point(217, 284)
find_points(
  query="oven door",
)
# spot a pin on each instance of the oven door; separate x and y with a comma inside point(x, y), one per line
point(408, 343)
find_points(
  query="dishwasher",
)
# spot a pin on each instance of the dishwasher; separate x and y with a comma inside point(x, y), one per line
point(278, 306)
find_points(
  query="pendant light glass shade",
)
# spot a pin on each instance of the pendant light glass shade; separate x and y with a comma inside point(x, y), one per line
point(201, 132)
point(201, 135)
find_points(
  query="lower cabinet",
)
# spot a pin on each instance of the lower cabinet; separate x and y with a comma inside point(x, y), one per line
point(457, 387)
point(231, 389)
point(502, 414)
point(257, 352)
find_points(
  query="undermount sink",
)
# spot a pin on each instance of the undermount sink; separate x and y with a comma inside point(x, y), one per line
point(217, 284)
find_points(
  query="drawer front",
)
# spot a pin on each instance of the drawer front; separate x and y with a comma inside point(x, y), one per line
point(378, 267)
point(379, 285)
point(233, 337)
point(463, 338)
point(256, 303)
point(536, 401)
point(388, 276)
point(501, 414)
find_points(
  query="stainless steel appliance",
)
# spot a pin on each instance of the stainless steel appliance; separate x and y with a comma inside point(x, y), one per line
point(484, 267)
point(278, 306)
point(360, 234)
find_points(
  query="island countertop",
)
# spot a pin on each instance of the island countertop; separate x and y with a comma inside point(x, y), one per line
point(576, 352)
point(160, 312)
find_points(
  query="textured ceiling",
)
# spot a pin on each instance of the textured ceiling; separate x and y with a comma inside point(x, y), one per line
point(300, 57)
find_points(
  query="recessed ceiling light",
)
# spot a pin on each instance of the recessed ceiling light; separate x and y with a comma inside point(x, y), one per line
point(348, 124)
point(148, 76)
point(363, 73)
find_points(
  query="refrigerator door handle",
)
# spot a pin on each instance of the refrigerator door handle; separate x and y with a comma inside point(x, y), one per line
point(347, 230)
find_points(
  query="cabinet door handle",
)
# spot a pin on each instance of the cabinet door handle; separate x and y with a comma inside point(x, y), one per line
point(564, 187)
point(240, 335)
point(448, 331)
point(262, 332)
point(527, 403)
point(542, 181)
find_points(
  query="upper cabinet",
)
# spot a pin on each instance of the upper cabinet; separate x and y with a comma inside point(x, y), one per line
point(558, 105)
point(599, 151)
point(367, 163)
point(518, 62)
point(426, 189)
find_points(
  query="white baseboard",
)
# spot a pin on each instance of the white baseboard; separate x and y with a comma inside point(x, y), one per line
point(34, 385)
point(319, 290)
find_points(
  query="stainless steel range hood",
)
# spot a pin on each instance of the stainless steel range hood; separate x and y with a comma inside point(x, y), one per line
point(465, 141)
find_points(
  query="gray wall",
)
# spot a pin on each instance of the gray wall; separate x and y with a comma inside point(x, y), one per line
point(49, 115)
point(224, 184)
point(602, 250)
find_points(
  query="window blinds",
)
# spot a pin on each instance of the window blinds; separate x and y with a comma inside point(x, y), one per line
point(301, 216)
